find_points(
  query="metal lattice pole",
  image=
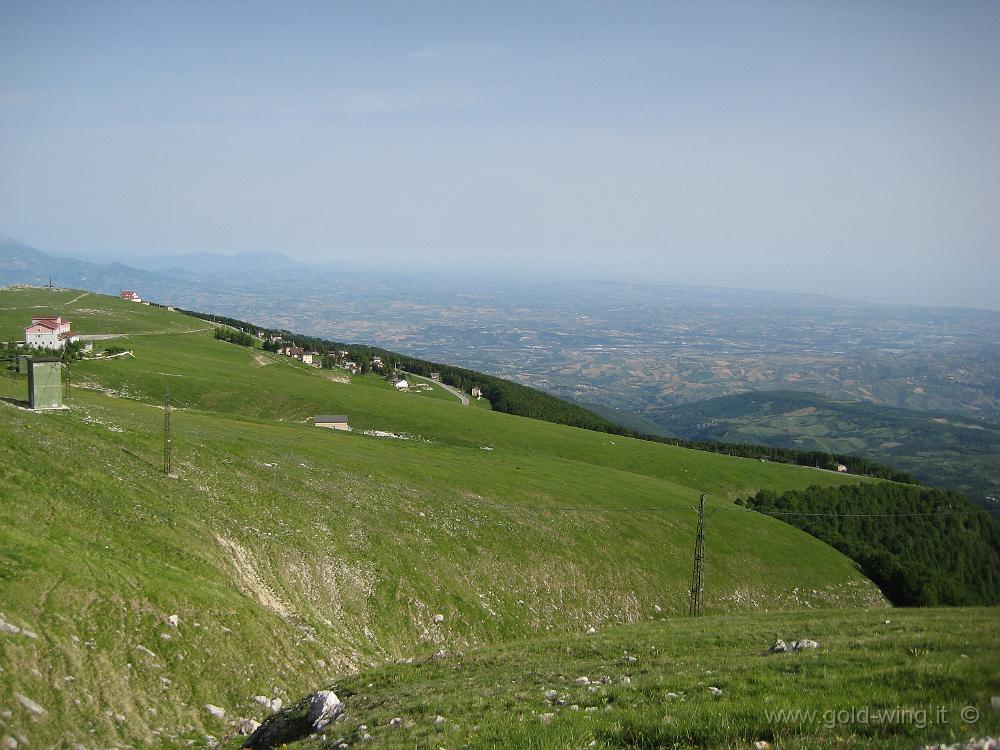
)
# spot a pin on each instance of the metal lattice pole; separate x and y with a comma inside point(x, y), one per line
point(698, 577)
point(166, 431)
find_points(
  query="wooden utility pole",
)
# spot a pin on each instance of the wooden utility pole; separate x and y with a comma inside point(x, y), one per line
point(698, 577)
point(166, 431)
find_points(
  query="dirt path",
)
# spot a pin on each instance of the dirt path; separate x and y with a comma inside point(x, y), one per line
point(106, 336)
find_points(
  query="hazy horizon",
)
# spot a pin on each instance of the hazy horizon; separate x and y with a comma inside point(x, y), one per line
point(848, 150)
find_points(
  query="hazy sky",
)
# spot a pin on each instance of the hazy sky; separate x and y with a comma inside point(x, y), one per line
point(846, 147)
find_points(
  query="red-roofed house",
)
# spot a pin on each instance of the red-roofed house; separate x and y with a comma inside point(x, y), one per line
point(131, 296)
point(49, 333)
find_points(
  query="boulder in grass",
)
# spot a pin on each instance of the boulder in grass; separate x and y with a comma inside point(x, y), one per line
point(217, 711)
point(324, 707)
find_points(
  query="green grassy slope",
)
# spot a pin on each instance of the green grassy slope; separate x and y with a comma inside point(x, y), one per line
point(950, 452)
point(901, 680)
point(291, 554)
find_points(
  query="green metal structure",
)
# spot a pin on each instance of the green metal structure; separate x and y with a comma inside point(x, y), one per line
point(45, 383)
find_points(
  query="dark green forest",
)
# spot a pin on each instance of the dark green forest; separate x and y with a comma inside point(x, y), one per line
point(921, 546)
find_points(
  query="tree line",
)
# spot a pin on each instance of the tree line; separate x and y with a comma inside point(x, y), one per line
point(234, 336)
point(932, 547)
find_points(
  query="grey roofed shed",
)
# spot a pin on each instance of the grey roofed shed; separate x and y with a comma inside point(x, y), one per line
point(327, 418)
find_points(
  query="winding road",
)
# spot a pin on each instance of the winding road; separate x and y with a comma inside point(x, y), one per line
point(464, 398)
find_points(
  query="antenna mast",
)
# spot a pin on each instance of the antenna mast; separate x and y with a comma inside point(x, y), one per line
point(166, 431)
point(698, 577)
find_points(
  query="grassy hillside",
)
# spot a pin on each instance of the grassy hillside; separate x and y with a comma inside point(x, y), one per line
point(951, 452)
point(878, 680)
point(291, 554)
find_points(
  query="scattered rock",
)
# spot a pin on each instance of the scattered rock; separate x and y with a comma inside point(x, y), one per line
point(582, 681)
point(672, 696)
point(324, 707)
point(715, 692)
point(8, 743)
point(271, 705)
point(546, 718)
point(439, 720)
point(985, 743)
point(146, 651)
point(245, 726)
point(590, 709)
point(173, 621)
point(396, 722)
point(780, 647)
point(626, 680)
point(551, 695)
point(630, 659)
point(439, 617)
point(657, 608)
point(216, 711)
point(29, 704)
point(762, 745)
point(591, 630)
point(574, 707)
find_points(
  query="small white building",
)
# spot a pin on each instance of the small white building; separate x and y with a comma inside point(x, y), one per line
point(49, 333)
point(841, 468)
point(307, 358)
point(477, 392)
point(402, 385)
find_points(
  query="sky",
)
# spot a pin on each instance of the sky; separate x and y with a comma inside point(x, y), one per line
point(849, 148)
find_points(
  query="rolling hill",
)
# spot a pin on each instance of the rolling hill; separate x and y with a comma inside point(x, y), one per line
point(283, 556)
point(942, 450)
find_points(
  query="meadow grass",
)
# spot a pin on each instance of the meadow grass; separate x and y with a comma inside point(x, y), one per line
point(878, 680)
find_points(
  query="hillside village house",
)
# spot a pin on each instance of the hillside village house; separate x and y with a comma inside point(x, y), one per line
point(333, 422)
point(49, 333)
point(477, 392)
point(402, 385)
point(130, 295)
point(841, 468)
point(307, 358)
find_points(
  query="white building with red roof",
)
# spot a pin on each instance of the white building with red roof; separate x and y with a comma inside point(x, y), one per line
point(130, 295)
point(49, 333)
